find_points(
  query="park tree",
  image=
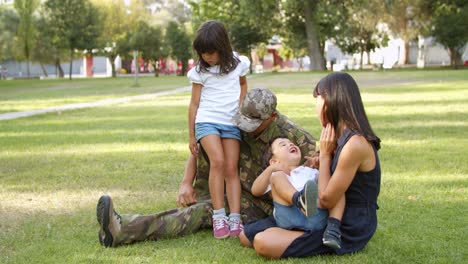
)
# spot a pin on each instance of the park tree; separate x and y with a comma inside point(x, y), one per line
point(312, 32)
point(249, 23)
point(308, 24)
point(26, 29)
point(180, 45)
point(148, 41)
point(45, 51)
point(359, 33)
point(9, 21)
point(405, 19)
point(115, 25)
point(449, 26)
point(75, 23)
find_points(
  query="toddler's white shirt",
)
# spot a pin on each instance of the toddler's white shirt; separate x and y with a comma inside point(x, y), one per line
point(299, 176)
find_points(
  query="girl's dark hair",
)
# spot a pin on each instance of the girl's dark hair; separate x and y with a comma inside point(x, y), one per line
point(212, 36)
point(343, 105)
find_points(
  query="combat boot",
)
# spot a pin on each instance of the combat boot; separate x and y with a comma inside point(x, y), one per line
point(109, 221)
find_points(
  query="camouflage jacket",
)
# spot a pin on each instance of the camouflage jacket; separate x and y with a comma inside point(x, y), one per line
point(250, 161)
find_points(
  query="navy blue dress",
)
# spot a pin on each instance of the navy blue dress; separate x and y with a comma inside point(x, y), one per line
point(359, 220)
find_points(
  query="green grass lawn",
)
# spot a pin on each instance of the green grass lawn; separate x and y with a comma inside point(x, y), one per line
point(54, 167)
point(20, 95)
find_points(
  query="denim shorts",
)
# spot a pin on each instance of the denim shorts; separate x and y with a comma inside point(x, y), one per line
point(290, 217)
point(223, 131)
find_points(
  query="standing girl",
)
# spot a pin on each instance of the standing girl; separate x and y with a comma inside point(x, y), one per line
point(218, 88)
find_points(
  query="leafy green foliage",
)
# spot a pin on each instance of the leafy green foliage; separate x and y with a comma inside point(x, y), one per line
point(9, 21)
point(450, 27)
point(75, 23)
point(26, 29)
point(179, 43)
point(359, 32)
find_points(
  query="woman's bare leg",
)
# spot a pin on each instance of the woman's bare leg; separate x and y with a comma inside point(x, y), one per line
point(273, 242)
point(244, 240)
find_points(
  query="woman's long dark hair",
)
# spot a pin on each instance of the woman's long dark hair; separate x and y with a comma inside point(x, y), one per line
point(343, 105)
point(212, 36)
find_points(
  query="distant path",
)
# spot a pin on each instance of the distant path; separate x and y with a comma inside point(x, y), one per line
point(15, 115)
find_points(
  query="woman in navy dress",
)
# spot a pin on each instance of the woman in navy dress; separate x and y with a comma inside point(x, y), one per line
point(349, 165)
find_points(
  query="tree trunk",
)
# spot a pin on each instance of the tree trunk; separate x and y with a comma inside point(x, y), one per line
point(406, 53)
point(455, 58)
point(361, 60)
point(156, 68)
point(28, 73)
point(71, 64)
point(112, 60)
point(59, 68)
point(184, 68)
point(316, 58)
point(44, 70)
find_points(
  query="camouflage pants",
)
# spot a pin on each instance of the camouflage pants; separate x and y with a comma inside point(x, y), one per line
point(178, 222)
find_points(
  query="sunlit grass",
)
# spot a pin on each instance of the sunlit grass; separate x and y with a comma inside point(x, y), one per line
point(33, 94)
point(54, 167)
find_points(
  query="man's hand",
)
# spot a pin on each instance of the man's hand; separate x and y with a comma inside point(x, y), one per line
point(193, 146)
point(186, 196)
point(314, 161)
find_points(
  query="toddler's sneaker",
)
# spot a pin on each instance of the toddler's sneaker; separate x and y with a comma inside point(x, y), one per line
point(235, 227)
point(220, 227)
point(308, 198)
point(332, 237)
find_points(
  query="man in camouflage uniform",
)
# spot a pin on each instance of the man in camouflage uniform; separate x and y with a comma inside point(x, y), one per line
point(259, 122)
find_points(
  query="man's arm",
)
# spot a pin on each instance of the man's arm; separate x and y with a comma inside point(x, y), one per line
point(187, 195)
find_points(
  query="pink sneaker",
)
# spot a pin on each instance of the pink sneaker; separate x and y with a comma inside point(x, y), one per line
point(235, 227)
point(220, 227)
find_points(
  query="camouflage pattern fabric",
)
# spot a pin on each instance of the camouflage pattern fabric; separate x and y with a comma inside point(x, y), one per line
point(188, 220)
point(259, 104)
point(168, 224)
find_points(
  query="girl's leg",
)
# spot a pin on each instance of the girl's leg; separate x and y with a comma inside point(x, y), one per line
point(273, 242)
point(231, 159)
point(214, 149)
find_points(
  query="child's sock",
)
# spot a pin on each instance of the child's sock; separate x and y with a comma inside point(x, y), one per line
point(334, 222)
point(234, 216)
point(219, 213)
point(295, 199)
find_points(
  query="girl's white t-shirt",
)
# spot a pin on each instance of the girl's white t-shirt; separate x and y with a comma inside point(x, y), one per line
point(219, 100)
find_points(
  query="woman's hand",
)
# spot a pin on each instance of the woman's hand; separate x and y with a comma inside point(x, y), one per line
point(193, 146)
point(327, 141)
